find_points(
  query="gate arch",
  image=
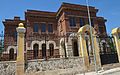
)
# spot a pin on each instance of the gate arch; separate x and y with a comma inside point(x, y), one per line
point(83, 45)
point(116, 35)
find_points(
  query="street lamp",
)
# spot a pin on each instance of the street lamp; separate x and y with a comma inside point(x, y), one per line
point(91, 36)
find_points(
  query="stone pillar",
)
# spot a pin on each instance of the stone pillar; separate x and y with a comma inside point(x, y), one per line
point(20, 50)
point(83, 47)
point(69, 49)
point(97, 51)
point(115, 33)
point(83, 51)
point(62, 52)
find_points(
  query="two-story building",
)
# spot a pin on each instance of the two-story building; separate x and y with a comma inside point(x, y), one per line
point(47, 31)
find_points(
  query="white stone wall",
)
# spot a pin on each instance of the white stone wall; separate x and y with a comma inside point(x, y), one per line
point(7, 68)
point(55, 64)
point(58, 65)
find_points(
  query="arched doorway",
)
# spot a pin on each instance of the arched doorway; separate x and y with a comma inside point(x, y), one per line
point(44, 50)
point(75, 47)
point(51, 49)
point(11, 54)
point(36, 48)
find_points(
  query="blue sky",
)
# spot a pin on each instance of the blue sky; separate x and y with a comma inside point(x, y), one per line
point(109, 9)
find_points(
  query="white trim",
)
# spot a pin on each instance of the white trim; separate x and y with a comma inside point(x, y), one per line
point(103, 41)
point(35, 42)
point(73, 34)
point(8, 49)
point(43, 42)
point(28, 48)
point(52, 42)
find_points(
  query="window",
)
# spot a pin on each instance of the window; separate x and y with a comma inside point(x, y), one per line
point(50, 28)
point(82, 22)
point(43, 27)
point(35, 27)
point(72, 21)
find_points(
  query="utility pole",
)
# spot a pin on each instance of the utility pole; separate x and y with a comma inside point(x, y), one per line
point(91, 35)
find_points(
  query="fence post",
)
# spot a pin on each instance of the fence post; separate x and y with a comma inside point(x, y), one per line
point(20, 49)
point(115, 33)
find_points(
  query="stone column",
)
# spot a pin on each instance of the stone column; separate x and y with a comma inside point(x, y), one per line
point(83, 47)
point(97, 51)
point(115, 33)
point(62, 52)
point(20, 50)
point(69, 49)
point(83, 50)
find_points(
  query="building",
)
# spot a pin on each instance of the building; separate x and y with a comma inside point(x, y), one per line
point(48, 32)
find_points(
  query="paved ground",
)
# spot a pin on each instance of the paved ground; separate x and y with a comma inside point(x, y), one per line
point(115, 71)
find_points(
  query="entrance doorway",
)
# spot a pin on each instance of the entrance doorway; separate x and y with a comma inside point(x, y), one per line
point(75, 47)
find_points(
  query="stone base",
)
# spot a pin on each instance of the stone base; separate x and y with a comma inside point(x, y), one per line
point(71, 71)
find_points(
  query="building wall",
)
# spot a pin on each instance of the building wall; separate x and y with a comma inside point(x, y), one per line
point(61, 26)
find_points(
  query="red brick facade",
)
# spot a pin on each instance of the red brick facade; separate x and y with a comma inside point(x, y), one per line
point(60, 22)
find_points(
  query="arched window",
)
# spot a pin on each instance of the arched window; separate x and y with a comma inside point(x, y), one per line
point(11, 54)
point(51, 49)
point(75, 47)
point(36, 48)
point(44, 50)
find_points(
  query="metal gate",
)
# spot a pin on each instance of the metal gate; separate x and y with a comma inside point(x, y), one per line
point(108, 52)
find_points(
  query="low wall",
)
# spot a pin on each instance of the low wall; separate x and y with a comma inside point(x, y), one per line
point(54, 66)
point(7, 68)
point(61, 65)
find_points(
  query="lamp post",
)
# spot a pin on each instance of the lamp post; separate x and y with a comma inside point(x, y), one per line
point(91, 36)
